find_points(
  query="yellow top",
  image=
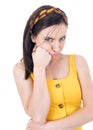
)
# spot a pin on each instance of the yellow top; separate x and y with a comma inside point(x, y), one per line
point(65, 94)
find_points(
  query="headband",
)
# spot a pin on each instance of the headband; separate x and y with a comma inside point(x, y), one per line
point(44, 12)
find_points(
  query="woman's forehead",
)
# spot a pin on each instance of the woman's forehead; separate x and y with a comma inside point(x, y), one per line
point(54, 30)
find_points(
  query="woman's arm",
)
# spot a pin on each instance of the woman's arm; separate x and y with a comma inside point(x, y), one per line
point(39, 102)
point(34, 97)
point(34, 94)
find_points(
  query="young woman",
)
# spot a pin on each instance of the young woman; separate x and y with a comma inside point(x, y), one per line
point(55, 88)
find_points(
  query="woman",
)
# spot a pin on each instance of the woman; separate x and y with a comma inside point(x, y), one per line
point(56, 89)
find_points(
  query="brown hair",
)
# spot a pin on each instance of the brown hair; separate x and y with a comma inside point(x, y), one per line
point(41, 18)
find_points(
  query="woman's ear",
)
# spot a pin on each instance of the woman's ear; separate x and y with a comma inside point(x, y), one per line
point(33, 39)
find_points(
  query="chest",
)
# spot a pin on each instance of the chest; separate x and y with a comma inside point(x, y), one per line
point(58, 70)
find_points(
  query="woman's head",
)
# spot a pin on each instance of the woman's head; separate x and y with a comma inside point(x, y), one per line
point(42, 18)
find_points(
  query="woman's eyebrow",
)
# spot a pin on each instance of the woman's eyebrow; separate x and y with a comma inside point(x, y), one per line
point(53, 37)
point(63, 36)
point(49, 37)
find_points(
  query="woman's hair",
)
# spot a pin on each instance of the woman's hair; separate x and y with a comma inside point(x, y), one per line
point(41, 18)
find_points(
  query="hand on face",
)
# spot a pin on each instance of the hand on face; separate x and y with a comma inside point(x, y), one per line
point(51, 39)
point(41, 57)
point(44, 46)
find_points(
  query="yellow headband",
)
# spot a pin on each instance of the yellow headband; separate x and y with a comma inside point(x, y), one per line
point(44, 12)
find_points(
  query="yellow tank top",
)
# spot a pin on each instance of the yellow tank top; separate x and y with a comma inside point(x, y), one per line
point(65, 94)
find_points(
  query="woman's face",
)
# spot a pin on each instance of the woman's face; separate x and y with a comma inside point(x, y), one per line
point(52, 39)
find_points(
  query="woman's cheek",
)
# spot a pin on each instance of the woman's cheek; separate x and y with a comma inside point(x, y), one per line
point(46, 46)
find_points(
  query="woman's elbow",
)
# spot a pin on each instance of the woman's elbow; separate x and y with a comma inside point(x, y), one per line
point(39, 120)
point(36, 117)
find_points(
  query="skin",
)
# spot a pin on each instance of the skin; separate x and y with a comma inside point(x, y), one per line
point(52, 39)
point(50, 43)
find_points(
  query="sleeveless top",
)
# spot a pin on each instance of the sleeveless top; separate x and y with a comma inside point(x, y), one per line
point(65, 94)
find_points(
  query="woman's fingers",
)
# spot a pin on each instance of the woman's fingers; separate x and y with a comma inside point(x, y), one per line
point(44, 46)
point(49, 50)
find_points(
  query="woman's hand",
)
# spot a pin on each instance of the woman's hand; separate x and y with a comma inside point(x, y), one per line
point(41, 58)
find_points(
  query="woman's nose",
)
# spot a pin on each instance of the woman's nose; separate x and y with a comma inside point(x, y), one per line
point(56, 47)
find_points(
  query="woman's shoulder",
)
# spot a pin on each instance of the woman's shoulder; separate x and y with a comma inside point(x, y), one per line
point(19, 69)
point(81, 62)
point(80, 59)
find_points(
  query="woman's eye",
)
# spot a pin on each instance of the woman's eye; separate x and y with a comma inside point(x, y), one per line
point(63, 38)
point(48, 39)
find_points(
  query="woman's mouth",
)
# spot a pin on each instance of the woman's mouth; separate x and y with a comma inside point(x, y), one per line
point(55, 55)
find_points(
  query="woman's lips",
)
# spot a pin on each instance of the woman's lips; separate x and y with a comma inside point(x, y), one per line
point(55, 55)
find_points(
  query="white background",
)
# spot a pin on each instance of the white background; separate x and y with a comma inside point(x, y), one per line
point(13, 17)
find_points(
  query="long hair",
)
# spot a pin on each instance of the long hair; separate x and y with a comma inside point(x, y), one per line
point(41, 18)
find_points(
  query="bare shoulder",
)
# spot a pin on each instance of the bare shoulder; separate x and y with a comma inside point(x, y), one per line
point(19, 75)
point(80, 58)
point(82, 67)
point(81, 62)
point(19, 69)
